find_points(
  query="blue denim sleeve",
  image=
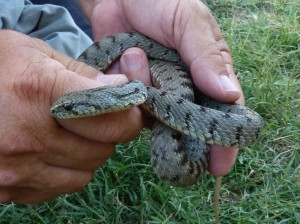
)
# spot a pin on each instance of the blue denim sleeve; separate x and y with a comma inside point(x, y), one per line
point(50, 23)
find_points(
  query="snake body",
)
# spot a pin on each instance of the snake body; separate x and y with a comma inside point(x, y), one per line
point(180, 139)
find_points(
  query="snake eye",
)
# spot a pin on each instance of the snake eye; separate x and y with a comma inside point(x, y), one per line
point(68, 106)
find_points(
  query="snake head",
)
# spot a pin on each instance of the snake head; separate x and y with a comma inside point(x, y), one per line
point(59, 110)
point(100, 100)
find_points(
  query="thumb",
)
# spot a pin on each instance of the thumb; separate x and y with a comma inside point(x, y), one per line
point(112, 127)
point(207, 54)
point(78, 76)
point(134, 64)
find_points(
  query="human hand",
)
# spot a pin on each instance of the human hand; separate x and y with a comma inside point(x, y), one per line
point(39, 158)
point(187, 26)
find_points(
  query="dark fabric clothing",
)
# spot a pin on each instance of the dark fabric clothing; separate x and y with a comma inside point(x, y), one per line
point(75, 12)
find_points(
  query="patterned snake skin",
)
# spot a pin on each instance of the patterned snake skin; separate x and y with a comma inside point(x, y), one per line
point(179, 141)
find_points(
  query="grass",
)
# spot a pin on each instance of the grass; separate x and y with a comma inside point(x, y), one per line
point(264, 185)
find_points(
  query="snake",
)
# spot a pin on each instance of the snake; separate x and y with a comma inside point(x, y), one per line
point(188, 122)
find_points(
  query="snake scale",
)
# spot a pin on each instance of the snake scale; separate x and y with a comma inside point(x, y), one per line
point(180, 140)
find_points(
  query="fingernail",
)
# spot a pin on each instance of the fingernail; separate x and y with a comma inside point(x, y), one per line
point(133, 60)
point(227, 84)
point(115, 79)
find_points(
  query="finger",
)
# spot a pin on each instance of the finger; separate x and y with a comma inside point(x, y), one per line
point(236, 82)
point(112, 79)
point(201, 48)
point(70, 64)
point(87, 71)
point(34, 172)
point(134, 64)
point(110, 23)
point(82, 69)
point(58, 179)
point(75, 75)
point(113, 127)
point(24, 196)
point(226, 55)
point(114, 68)
point(66, 149)
point(47, 185)
point(207, 63)
point(221, 160)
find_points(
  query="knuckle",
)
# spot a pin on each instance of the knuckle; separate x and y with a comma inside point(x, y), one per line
point(26, 85)
point(35, 83)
